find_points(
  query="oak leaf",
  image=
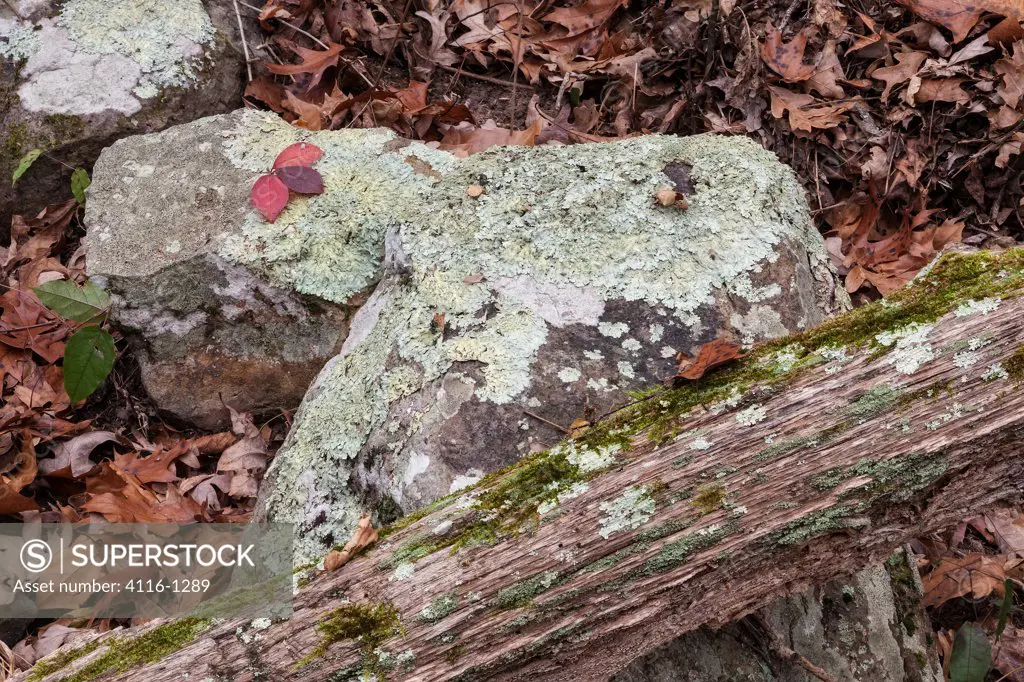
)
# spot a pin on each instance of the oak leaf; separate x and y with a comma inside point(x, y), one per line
point(786, 59)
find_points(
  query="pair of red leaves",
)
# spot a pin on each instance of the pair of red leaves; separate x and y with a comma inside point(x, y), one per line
point(292, 172)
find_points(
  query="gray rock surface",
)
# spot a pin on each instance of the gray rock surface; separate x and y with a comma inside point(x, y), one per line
point(560, 289)
point(870, 627)
point(78, 74)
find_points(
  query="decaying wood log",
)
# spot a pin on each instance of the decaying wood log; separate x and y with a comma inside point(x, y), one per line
point(807, 459)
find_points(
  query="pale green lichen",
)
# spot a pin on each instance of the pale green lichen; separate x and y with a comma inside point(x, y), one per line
point(151, 34)
point(995, 372)
point(522, 593)
point(632, 509)
point(440, 608)
point(910, 347)
point(18, 41)
point(755, 414)
point(569, 374)
point(534, 228)
point(983, 307)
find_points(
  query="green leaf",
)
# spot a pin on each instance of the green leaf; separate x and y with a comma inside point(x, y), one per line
point(80, 304)
point(88, 359)
point(79, 183)
point(972, 655)
point(25, 163)
point(1004, 608)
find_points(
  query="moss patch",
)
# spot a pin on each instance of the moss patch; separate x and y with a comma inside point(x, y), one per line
point(123, 653)
point(1014, 365)
point(708, 499)
point(369, 624)
point(522, 593)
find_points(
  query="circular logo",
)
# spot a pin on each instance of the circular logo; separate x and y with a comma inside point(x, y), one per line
point(36, 556)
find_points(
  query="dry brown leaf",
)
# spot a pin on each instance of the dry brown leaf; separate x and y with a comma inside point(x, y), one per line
point(909, 63)
point(803, 112)
point(585, 16)
point(246, 459)
point(960, 16)
point(71, 458)
point(786, 59)
point(1008, 657)
point(711, 355)
point(976, 574)
point(1008, 528)
point(314, 63)
point(364, 536)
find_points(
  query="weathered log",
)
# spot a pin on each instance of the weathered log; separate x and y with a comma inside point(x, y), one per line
point(807, 459)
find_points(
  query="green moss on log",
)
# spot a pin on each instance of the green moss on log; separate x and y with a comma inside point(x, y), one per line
point(123, 653)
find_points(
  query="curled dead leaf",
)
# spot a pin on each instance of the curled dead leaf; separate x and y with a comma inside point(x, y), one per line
point(474, 191)
point(667, 196)
point(711, 354)
point(364, 536)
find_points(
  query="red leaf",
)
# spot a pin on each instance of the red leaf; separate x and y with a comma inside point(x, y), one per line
point(301, 179)
point(270, 196)
point(298, 154)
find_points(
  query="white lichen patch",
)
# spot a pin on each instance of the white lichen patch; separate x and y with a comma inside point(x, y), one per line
point(108, 54)
point(569, 374)
point(982, 307)
point(575, 490)
point(656, 331)
point(783, 360)
point(668, 352)
point(910, 347)
point(465, 480)
point(755, 414)
point(626, 369)
point(17, 40)
point(589, 460)
point(965, 359)
point(701, 444)
point(955, 411)
point(837, 355)
point(403, 571)
point(613, 330)
point(996, 372)
point(630, 510)
point(742, 287)
point(593, 355)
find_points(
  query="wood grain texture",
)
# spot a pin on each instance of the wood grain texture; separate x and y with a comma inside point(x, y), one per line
point(801, 481)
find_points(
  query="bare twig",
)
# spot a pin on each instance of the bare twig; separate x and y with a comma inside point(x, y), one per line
point(549, 423)
point(245, 43)
point(481, 77)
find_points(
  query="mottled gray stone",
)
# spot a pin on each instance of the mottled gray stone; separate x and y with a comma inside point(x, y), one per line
point(558, 291)
point(870, 627)
point(76, 75)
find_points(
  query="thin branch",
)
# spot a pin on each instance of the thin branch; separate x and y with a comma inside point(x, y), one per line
point(245, 43)
point(481, 77)
point(549, 423)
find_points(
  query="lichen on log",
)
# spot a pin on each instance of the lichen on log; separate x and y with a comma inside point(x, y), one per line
point(808, 458)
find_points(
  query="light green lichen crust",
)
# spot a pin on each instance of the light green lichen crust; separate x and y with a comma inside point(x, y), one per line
point(154, 35)
point(574, 219)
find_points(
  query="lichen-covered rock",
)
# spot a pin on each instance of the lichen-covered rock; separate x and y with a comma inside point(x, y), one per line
point(555, 292)
point(870, 627)
point(75, 75)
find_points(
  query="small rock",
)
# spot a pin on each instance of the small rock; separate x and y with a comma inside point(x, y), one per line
point(82, 73)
